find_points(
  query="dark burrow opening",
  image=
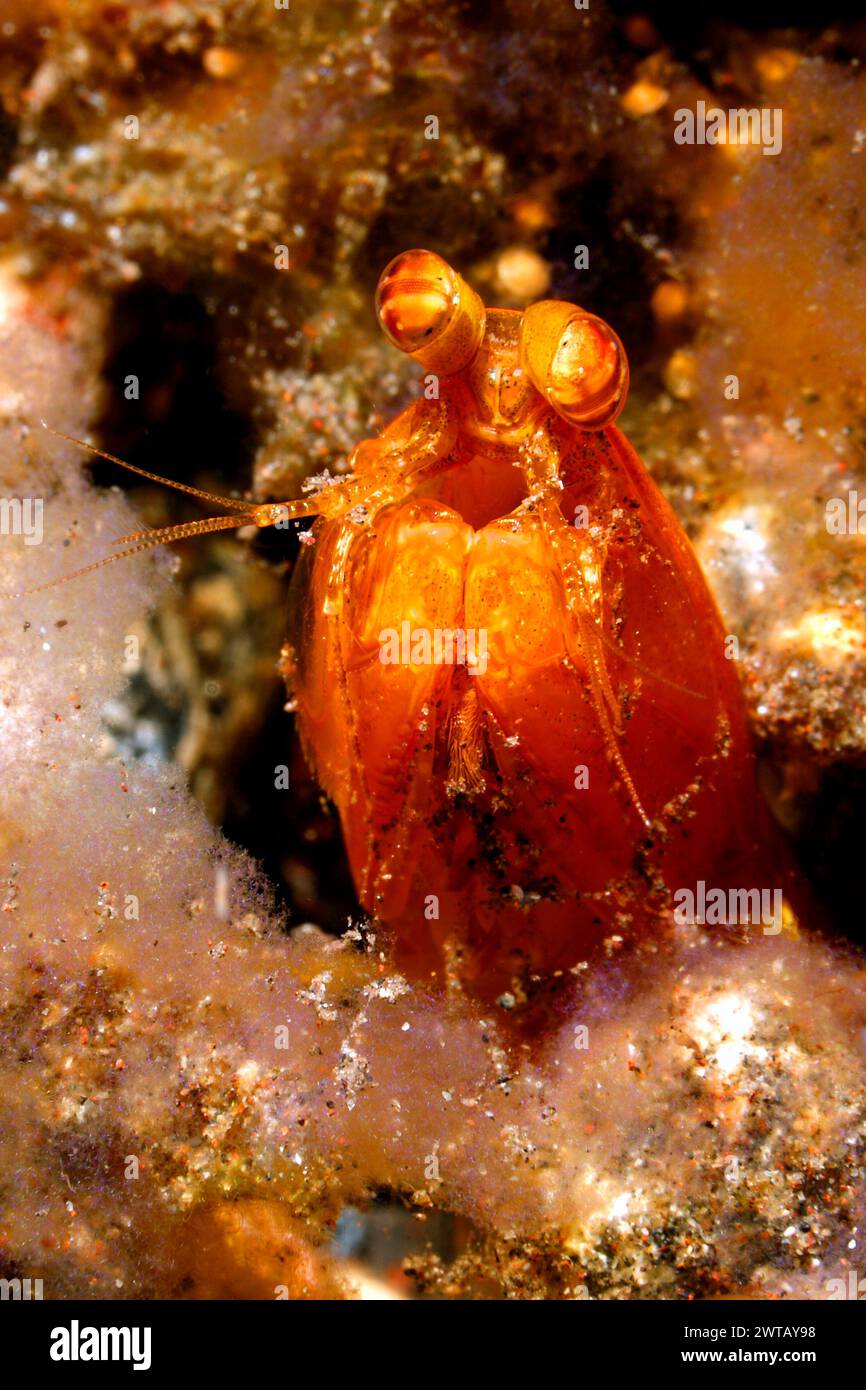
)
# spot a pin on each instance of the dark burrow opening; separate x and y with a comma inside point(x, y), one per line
point(166, 411)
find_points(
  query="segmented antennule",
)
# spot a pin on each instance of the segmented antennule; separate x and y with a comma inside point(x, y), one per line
point(244, 514)
point(144, 540)
point(233, 503)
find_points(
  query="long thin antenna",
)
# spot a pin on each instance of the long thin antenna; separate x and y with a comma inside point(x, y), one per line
point(245, 514)
point(233, 503)
point(144, 540)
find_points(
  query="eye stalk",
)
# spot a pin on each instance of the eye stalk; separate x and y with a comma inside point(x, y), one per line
point(428, 311)
point(576, 361)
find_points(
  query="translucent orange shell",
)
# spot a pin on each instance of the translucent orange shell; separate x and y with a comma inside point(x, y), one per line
point(506, 820)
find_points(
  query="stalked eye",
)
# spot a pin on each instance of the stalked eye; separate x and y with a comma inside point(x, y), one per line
point(576, 361)
point(415, 299)
point(428, 311)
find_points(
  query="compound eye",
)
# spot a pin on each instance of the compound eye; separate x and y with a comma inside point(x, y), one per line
point(428, 311)
point(576, 361)
point(588, 377)
point(415, 299)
